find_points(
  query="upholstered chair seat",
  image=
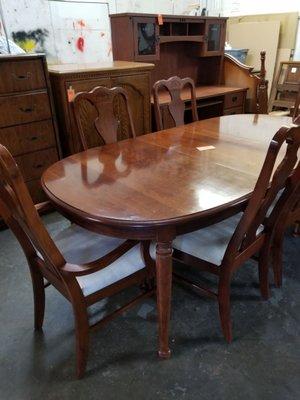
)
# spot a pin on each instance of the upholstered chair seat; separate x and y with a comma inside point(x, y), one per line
point(209, 243)
point(79, 245)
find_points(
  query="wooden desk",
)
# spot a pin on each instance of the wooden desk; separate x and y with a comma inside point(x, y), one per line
point(160, 185)
point(212, 101)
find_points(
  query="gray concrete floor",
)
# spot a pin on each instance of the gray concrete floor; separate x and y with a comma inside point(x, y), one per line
point(261, 363)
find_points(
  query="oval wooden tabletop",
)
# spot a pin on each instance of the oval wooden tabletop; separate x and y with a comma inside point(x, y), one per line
point(165, 177)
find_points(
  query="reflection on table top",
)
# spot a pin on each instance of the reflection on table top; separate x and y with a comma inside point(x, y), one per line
point(172, 174)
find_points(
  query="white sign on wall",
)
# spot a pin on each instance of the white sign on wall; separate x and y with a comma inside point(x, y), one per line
point(81, 31)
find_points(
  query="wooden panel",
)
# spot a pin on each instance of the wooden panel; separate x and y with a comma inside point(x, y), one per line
point(234, 99)
point(36, 191)
point(24, 108)
point(134, 77)
point(238, 74)
point(32, 165)
point(85, 85)
point(234, 110)
point(121, 27)
point(21, 76)
point(27, 138)
point(138, 90)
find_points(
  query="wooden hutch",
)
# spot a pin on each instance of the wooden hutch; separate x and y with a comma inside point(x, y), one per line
point(190, 46)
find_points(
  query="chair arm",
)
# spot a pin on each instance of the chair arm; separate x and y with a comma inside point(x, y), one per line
point(100, 263)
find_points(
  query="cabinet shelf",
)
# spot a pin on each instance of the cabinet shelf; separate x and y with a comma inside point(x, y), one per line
point(171, 39)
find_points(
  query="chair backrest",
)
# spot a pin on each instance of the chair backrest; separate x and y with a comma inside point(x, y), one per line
point(296, 113)
point(285, 86)
point(176, 106)
point(19, 213)
point(272, 193)
point(107, 111)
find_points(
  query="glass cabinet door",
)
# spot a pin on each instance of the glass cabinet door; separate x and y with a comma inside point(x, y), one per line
point(214, 38)
point(146, 39)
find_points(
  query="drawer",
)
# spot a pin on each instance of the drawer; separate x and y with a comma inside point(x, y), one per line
point(27, 138)
point(36, 191)
point(32, 165)
point(21, 109)
point(234, 99)
point(234, 110)
point(21, 76)
point(85, 85)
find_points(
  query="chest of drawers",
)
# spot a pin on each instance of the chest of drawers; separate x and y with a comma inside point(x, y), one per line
point(27, 121)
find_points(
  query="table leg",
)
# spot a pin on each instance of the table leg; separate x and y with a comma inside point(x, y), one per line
point(164, 287)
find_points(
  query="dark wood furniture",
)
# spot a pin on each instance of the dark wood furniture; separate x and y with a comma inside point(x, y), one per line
point(169, 183)
point(143, 39)
point(185, 46)
point(67, 80)
point(113, 265)
point(288, 218)
point(285, 87)
point(230, 243)
point(296, 112)
point(175, 108)
point(210, 101)
point(27, 121)
point(239, 74)
point(105, 104)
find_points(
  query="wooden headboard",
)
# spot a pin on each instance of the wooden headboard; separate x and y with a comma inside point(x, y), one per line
point(242, 75)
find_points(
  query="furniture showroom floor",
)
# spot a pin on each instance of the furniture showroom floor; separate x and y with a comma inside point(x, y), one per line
point(261, 363)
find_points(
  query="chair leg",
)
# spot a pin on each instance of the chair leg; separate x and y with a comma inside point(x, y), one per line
point(263, 269)
point(224, 308)
point(38, 297)
point(296, 231)
point(82, 337)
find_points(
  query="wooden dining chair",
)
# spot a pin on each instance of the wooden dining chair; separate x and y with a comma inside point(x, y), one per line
point(174, 103)
point(296, 113)
point(287, 218)
point(222, 248)
point(98, 266)
point(106, 111)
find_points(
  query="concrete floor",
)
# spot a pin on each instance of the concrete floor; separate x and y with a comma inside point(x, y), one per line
point(263, 362)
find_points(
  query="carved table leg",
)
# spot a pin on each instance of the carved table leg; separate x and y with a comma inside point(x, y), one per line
point(164, 287)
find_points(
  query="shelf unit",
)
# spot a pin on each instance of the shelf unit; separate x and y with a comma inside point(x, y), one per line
point(186, 46)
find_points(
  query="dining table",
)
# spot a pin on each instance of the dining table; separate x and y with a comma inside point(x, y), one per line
point(163, 184)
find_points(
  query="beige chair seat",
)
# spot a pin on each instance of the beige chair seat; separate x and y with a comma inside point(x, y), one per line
point(81, 246)
point(280, 113)
point(209, 243)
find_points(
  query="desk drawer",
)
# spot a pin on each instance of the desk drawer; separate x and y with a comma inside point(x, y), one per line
point(21, 109)
point(32, 165)
point(19, 76)
point(234, 110)
point(234, 100)
point(27, 138)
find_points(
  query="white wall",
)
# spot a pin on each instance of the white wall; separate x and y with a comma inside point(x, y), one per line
point(252, 7)
point(29, 15)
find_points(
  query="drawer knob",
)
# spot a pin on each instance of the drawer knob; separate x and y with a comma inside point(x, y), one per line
point(27, 76)
point(26, 109)
point(234, 98)
point(38, 166)
point(33, 138)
